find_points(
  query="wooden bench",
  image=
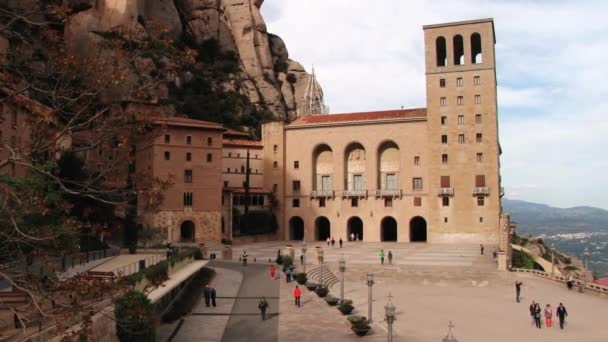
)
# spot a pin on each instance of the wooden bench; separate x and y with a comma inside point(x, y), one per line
point(96, 275)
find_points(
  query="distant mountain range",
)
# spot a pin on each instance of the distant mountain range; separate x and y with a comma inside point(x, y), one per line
point(537, 219)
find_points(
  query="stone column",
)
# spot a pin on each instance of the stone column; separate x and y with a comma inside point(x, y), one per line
point(504, 242)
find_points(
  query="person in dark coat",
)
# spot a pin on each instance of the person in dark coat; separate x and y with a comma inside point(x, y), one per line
point(561, 314)
point(532, 307)
point(207, 294)
point(263, 306)
point(212, 296)
point(537, 315)
point(340, 242)
point(517, 290)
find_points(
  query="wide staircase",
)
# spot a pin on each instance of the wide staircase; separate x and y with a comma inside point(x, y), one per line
point(323, 275)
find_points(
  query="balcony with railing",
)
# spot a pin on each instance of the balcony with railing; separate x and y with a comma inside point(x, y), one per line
point(354, 193)
point(322, 193)
point(445, 192)
point(388, 193)
point(481, 191)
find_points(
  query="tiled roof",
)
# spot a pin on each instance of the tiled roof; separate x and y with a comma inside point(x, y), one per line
point(602, 281)
point(183, 122)
point(236, 133)
point(32, 105)
point(362, 116)
point(241, 142)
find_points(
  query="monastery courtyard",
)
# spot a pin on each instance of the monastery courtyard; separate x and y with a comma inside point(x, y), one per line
point(430, 284)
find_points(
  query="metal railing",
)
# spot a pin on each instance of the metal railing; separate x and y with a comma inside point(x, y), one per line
point(481, 191)
point(389, 193)
point(354, 193)
point(322, 193)
point(134, 266)
point(446, 192)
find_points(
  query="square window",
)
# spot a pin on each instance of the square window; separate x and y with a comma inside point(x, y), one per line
point(481, 220)
point(444, 158)
point(444, 120)
point(275, 148)
point(209, 141)
point(322, 202)
point(479, 157)
point(445, 201)
point(187, 176)
point(388, 202)
point(296, 186)
point(461, 138)
point(442, 83)
point(417, 201)
point(478, 137)
point(476, 80)
point(275, 187)
point(209, 157)
point(229, 154)
point(188, 156)
point(417, 183)
point(188, 140)
point(444, 139)
point(188, 199)
point(275, 164)
point(228, 170)
point(443, 102)
point(477, 118)
point(461, 119)
point(354, 202)
point(459, 100)
point(459, 82)
point(238, 155)
point(480, 201)
point(226, 183)
point(416, 160)
point(477, 99)
point(167, 138)
point(167, 155)
point(445, 220)
point(295, 203)
point(296, 164)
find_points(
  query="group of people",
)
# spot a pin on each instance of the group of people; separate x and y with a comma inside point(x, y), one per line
point(536, 312)
point(332, 242)
point(390, 257)
point(209, 294)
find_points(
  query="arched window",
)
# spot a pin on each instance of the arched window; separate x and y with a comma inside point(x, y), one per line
point(458, 50)
point(476, 55)
point(354, 171)
point(441, 50)
point(323, 168)
point(388, 166)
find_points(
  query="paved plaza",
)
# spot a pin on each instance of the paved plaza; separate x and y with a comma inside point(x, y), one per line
point(430, 284)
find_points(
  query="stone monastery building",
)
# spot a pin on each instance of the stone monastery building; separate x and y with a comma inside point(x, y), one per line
point(424, 174)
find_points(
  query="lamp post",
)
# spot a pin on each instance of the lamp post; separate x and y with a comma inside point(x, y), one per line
point(342, 263)
point(552, 259)
point(450, 337)
point(586, 254)
point(304, 255)
point(320, 256)
point(389, 312)
point(370, 283)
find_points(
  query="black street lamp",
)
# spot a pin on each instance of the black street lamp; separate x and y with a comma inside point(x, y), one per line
point(304, 255)
point(342, 264)
point(450, 337)
point(370, 283)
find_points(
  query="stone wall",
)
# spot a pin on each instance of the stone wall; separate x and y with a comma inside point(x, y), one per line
point(208, 224)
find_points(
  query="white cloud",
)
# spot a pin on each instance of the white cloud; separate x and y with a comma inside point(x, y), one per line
point(551, 69)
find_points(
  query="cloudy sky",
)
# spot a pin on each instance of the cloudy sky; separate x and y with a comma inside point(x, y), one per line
point(551, 65)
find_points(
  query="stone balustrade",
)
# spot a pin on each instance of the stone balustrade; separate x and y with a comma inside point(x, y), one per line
point(562, 279)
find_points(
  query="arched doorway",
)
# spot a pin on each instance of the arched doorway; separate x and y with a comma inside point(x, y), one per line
point(296, 228)
point(322, 228)
point(355, 226)
point(388, 229)
point(417, 229)
point(187, 231)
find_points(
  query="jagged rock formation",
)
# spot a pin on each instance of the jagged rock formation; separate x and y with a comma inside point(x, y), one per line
point(267, 76)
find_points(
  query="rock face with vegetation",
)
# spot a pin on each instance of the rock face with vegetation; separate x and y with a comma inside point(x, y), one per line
point(244, 70)
point(568, 264)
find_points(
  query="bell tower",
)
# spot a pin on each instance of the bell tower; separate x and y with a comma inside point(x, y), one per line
point(462, 126)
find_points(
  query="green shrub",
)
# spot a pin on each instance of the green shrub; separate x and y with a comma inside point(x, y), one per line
point(287, 262)
point(190, 297)
point(346, 301)
point(157, 273)
point(321, 291)
point(345, 309)
point(522, 260)
point(331, 300)
point(301, 278)
point(570, 268)
point(134, 318)
point(311, 285)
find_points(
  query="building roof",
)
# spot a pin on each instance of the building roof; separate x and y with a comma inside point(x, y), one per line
point(358, 117)
point(235, 133)
point(31, 105)
point(242, 143)
point(182, 122)
point(602, 281)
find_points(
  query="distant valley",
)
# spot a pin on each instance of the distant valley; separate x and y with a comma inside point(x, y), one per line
point(570, 229)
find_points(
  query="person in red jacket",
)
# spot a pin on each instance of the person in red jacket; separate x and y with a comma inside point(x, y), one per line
point(273, 272)
point(297, 293)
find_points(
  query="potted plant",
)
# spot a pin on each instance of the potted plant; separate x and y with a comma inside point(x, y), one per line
point(359, 325)
point(346, 308)
point(321, 291)
point(331, 300)
point(301, 278)
point(311, 285)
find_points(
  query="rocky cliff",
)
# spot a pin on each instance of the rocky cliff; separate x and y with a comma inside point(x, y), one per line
point(265, 74)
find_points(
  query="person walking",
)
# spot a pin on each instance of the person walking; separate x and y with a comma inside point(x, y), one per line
point(537, 315)
point(207, 294)
point(390, 257)
point(481, 248)
point(569, 282)
point(297, 293)
point(494, 253)
point(263, 306)
point(213, 296)
point(340, 242)
point(328, 240)
point(244, 258)
point(352, 236)
point(288, 275)
point(548, 315)
point(301, 259)
point(333, 242)
point(532, 308)
point(382, 256)
point(273, 272)
point(517, 290)
point(561, 315)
